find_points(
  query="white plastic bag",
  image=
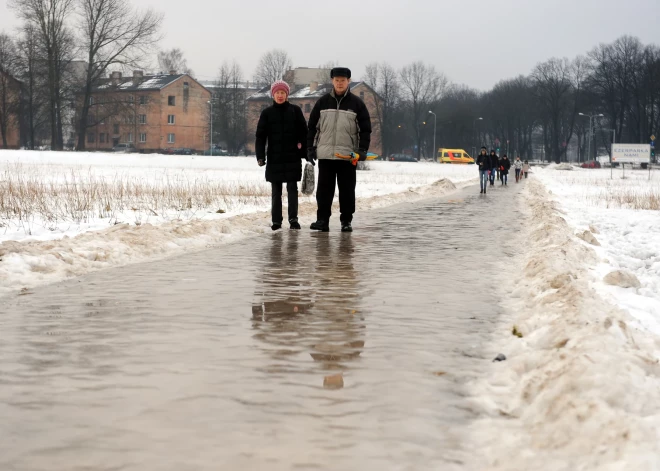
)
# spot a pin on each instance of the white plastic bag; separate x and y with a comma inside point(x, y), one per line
point(308, 180)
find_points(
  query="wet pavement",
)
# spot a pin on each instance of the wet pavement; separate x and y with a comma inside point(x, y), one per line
point(217, 360)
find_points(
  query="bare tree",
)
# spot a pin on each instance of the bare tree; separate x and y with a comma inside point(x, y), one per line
point(114, 34)
point(272, 66)
point(384, 79)
point(422, 86)
point(9, 92)
point(324, 71)
point(173, 59)
point(49, 18)
point(558, 87)
point(32, 70)
point(229, 108)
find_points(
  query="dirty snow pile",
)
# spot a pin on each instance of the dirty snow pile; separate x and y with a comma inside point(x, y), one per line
point(65, 214)
point(580, 388)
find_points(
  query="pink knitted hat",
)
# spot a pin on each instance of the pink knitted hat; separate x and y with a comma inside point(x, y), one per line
point(280, 85)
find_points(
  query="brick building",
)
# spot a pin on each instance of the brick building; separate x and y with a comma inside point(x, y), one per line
point(10, 100)
point(149, 112)
point(306, 97)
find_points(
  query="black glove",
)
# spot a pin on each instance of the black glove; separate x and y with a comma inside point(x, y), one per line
point(362, 154)
point(261, 162)
point(311, 155)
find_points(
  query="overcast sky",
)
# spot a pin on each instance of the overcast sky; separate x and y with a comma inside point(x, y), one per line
point(475, 42)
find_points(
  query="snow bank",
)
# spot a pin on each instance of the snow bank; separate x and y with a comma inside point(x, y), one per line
point(70, 248)
point(580, 388)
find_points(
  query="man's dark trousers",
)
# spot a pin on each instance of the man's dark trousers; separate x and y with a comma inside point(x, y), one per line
point(343, 172)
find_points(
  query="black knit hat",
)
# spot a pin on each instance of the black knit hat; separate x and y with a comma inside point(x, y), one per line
point(340, 72)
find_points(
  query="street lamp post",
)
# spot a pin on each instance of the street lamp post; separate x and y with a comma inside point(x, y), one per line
point(210, 102)
point(435, 127)
point(591, 117)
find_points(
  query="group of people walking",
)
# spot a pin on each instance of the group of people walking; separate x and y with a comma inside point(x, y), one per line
point(339, 124)
point(491, 166)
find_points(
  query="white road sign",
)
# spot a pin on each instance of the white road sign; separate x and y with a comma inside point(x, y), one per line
point(631, 153)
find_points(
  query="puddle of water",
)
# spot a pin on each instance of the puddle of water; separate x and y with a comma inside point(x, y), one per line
point(293, 350)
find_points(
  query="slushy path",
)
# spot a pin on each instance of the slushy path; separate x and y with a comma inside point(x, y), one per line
point(216, 360)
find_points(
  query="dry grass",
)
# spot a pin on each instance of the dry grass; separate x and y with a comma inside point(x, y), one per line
point(636, 191)
point(630, 198)
point(76, 196)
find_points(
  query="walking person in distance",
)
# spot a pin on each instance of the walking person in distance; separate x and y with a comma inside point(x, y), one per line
point(505, 165)
point(494, 165)
point(518, 166)
point(483, 164)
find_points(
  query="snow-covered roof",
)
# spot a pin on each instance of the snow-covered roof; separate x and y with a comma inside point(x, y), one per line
point(305, 92)
point(211, 84)
point(148, 82)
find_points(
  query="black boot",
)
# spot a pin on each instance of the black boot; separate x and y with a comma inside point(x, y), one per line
point(481, 191)
point(276, 226)
point(294, 224)
point(346, 227)
point(320, 225)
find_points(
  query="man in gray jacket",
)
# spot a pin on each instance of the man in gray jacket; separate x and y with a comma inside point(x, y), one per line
point(338, 125)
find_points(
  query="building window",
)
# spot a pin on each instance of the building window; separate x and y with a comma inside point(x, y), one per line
point(129, 119)
point(308, 108)
point(362, 95)
point(130, 137)
point(170, 119)
point(102, 138)
point(143, 100)
point(143, 119)
point(143, 137)
point(91, 137)
point(91, 100)
point(185, 84)
point(115, 128)
point(102, 121)
point(131, 99)
point(171, 100)
point(170, 138)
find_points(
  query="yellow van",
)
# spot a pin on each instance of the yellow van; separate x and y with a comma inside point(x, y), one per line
point(454, 156)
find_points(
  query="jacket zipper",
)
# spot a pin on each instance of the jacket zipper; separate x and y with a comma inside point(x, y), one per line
point(334, 143)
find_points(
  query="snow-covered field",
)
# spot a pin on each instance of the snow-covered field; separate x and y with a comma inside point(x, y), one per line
point(64, 214)
point(623, 214)
point(580, 388)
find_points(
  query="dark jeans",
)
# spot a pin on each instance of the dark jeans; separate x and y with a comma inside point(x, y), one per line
point(344, 173)
point(483, 179)
point(276, 205)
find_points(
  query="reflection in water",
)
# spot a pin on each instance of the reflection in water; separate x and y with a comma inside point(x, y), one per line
point(309, 304)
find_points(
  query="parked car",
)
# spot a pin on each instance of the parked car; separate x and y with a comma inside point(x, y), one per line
point(216, 151)
point(454, 156)
point(124, 148)
point(178, 151)
point(591, 164)
point(401, 158)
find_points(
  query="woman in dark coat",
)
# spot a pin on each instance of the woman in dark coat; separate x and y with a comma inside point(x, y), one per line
point(283, 128)
point(505, 165)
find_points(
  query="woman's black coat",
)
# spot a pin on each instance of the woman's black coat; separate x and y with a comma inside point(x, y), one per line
point(282, 127)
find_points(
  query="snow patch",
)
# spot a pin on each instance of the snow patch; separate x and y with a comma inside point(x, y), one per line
point(581, 388)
